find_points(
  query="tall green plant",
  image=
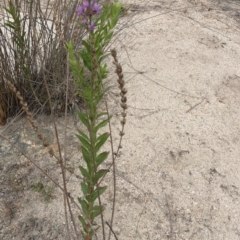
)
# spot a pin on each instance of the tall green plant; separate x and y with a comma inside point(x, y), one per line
point(20, 49)
point(18, 39)
point(89, 71)
point(21, 53)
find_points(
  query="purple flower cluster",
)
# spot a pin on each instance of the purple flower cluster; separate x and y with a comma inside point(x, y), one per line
point(87, 10)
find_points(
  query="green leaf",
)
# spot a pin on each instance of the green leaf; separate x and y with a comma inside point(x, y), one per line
point(84, 172)
point(69, 46)
point(84, 142)
point(100, 191)
point(101, 114)
point(10, 24)
point(83, 222)
point(84, 188)
point(83, 118)
point(99, 38)
point(87, 158)
point(83, 135)
point(75, 65)
point(86, 57)
point(101, 140)
point(109, 36)
point(114, 22)
point(92, 114)
point(100, 95)
point(105, 30)
point(99, 174)
point(101, 125)
point(97, 210)
point(98, 98)
point(100, 59)
point(84, 206)
point(101, 158)
point(86, 45)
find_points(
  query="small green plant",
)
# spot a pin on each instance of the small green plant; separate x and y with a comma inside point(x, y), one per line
point(89, 71)
point(44, 190)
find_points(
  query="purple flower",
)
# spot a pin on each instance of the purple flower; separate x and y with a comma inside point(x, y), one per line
point(80, 10)
point(91, 26)
point(84, 21)
point(96, 8)
point(85, 5)
point(87, 11)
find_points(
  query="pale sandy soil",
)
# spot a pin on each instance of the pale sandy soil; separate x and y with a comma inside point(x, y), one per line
point(178, 171)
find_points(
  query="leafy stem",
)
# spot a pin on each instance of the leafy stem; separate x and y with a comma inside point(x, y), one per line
point(89, 72)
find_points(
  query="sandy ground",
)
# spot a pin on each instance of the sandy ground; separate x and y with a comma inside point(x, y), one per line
point(178, 171)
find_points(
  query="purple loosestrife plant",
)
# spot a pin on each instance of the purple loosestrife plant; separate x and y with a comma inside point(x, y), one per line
point(87, 11)
point(100, 22)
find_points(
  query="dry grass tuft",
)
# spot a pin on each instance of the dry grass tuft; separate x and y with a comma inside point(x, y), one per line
point(31, 49)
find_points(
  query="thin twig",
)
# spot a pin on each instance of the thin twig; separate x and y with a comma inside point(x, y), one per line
point(194, 106)
point(112, 230)
point(59, 150)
